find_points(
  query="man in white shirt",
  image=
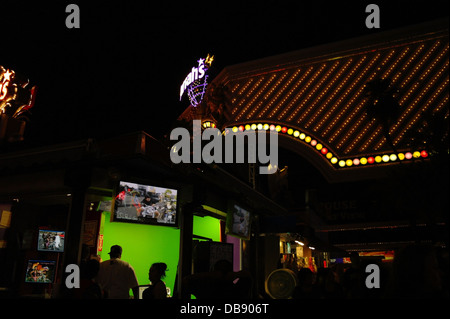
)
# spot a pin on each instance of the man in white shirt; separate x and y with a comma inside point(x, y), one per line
point(116, 277)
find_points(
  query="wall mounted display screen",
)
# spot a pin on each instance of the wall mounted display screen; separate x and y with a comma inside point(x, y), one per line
point(40, 271)
point(51, 240)
point(238, 222)
point(145, 204)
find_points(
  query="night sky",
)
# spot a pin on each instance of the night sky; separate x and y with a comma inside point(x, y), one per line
point(122, 70)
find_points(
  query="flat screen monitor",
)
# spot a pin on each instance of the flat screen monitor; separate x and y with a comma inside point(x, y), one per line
point(51, 240)
point(238, 221)
point(145, 204)
point(40, 271)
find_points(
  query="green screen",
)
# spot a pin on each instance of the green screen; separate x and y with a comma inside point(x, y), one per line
point(207, 227)
point(144, 245)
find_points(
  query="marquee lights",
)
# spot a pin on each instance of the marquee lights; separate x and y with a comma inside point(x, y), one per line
point(196, 81)
point(324, 151)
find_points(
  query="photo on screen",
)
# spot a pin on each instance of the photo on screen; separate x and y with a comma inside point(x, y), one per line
point(145, 204)
point(51, 240)
point(238, 222)
point(40, 271)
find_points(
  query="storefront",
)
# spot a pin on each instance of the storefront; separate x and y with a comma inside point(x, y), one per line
point(66, 194)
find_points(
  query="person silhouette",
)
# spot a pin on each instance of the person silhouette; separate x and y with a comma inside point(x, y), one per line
point(116, 277)
point(158, 289)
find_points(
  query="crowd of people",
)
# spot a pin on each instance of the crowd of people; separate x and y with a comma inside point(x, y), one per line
point(417, 272)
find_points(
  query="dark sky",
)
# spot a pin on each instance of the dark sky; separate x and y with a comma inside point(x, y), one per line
point(121, 71)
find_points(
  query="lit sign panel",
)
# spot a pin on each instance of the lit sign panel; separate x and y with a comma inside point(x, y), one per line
point(196, 81)
point(15, 95)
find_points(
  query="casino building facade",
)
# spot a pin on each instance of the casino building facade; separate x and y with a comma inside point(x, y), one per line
point(363, 167)
point(365, 124)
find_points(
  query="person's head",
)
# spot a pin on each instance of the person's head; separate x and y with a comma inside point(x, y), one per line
point(115, 252)
point(157, 271)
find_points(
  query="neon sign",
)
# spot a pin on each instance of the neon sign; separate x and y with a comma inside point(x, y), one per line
point(195, 82)
point(5, 83)
point(15, 96)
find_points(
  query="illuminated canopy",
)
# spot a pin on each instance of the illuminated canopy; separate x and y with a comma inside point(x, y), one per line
point(318, 94)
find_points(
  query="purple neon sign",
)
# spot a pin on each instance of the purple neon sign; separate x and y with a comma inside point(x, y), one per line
point(196, 81)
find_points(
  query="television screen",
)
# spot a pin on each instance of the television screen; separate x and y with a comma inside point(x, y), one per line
point(145, 204)
point(40, 271)
point(238, 222)
point(51, 240)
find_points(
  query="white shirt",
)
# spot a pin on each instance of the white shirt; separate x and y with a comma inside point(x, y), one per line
point(117, 277)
